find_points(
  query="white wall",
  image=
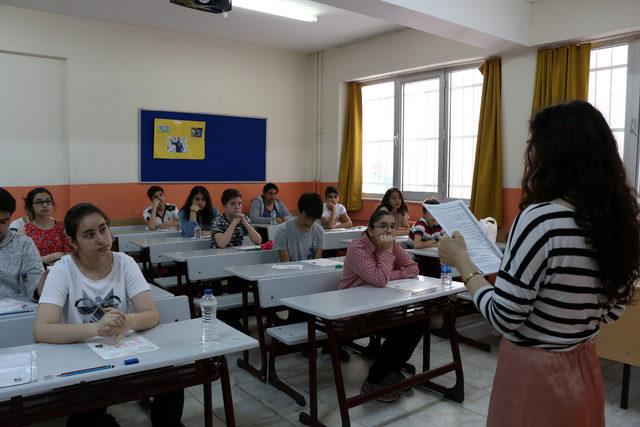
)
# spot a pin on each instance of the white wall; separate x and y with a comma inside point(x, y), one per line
point(32, 121)
point(396, 52)
point(559, 20)
point(518, 74)
point(112, 70)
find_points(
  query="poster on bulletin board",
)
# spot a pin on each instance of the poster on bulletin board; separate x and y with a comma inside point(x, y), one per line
point(178, 139)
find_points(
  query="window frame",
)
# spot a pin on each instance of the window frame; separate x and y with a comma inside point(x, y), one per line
point(399, 80)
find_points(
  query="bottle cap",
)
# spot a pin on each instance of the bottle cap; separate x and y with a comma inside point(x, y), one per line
point(208, 291)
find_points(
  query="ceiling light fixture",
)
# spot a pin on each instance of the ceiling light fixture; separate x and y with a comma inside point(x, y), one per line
point(286, 9)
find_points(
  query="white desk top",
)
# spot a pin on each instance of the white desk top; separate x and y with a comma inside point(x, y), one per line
point(257, 272)
point(144, 233)
point(29, 310)
point(123, 229)
point(354, 229)
point(182, 256)
point(366, 299)
point(159, 293)
point(179, 342)
point(163, 240)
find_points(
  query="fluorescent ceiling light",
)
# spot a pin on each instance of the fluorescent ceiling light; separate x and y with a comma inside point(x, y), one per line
point(287, 9)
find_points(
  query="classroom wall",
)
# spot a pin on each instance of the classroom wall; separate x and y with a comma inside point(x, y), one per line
point(110, 70)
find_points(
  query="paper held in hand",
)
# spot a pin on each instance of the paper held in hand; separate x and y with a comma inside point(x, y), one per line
point(455, 216)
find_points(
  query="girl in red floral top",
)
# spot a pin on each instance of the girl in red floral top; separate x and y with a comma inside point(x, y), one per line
point(47, 234)
point(375, 259)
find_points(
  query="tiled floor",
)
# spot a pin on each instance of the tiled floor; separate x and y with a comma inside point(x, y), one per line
point(259, 404)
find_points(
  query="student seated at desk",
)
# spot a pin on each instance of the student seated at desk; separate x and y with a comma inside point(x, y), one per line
point(393, 201)
point(375, 259)
point(20, 264)
point(46, 232)
point(230, 228)
point(334, 215)
point(160, 214)
point(426, 232)
point(96, 292)
point(263, 206)
point(197, 211)
point(302, 238)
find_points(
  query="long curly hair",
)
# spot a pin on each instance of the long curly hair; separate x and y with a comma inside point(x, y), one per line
point(573, 155)
point(386, 201)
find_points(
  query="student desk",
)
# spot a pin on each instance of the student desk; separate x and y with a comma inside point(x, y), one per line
point(208, 264)
point(154, 246)
point(335, 238)
point(122, 241)
point(620, 342)
point(28, 310)
point(357, 312)
point(181, 361)
point(253, 276)
point(267, 230)
point(123, 229)
point(400, 240)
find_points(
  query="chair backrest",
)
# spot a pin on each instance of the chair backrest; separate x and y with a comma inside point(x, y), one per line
point(124, 240)
point(17, 330)
point(173, 309)
point(188, 245)
point(210, 267)
point(273, 290)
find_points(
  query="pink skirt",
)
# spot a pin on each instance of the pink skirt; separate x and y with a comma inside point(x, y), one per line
point(534, 387)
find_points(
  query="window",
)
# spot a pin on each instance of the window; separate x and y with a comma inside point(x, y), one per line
point(419, 133)
point(608, 87)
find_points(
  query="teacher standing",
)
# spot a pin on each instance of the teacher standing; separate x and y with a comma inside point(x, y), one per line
point(570, 264)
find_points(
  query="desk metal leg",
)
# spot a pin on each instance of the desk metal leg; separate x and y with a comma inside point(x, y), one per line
point(227, 398)
point(208, 407)
point(244, 363)
point(337, 373)
point(311, 419)
point(626, 377)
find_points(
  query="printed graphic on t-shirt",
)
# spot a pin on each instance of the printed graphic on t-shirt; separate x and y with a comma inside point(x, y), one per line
point(91, 309)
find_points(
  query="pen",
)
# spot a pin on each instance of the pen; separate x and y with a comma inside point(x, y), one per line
point(85, 371)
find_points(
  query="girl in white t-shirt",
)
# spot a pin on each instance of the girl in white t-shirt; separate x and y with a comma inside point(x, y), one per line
point(96, 292)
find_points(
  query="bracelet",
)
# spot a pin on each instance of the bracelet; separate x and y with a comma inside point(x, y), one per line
point(471, 276)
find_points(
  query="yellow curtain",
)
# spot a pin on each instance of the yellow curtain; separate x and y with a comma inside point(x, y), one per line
point(562, 74)
point(486, 189)
point(350, 175)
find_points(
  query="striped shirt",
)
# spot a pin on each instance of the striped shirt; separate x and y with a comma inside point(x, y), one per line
point(548, 292)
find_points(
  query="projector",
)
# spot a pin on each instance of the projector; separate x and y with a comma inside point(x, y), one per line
point(213, 6)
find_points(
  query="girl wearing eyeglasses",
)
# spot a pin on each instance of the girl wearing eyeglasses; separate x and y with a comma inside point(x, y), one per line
point(97, 292)
point(375, 259)
point(46, 232)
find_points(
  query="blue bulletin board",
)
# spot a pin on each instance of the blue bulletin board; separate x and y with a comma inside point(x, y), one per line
point(235, 150)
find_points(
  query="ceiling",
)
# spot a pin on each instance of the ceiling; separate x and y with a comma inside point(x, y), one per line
point(334, 27)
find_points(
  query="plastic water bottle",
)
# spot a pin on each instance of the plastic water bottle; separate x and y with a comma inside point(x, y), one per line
point(274, 215)
point(445, 275)
point(208, 307)
point(197, 232)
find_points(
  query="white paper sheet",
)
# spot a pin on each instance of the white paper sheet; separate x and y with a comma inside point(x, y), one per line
point(249, 248)
point(17, 368)
point(130, 345)
point(287, 267)
point(455, 216)
point(323, 262)
point(8, 305)
point(413, 286)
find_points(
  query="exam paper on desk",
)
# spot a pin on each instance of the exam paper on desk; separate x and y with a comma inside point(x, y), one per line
point(17, 368)
point(455, 216)
point(130, 345)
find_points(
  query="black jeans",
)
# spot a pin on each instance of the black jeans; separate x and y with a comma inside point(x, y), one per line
point(396, 350)
point(166, 411)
